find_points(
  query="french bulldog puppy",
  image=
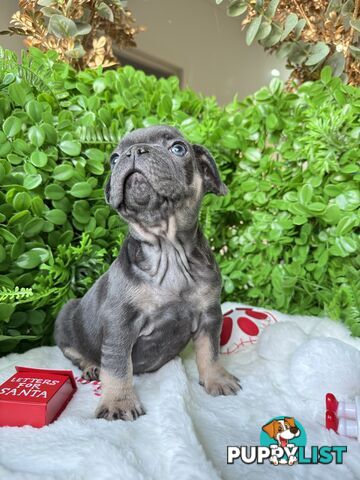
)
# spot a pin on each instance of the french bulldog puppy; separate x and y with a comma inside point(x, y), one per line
point(164, 287)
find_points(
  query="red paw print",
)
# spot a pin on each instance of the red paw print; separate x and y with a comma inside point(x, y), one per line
point(241, 327)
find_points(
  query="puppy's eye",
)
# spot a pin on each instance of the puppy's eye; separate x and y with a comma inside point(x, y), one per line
point(113, 159)
point(178, 149)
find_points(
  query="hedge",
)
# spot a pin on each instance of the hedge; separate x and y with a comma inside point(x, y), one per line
point(286, 236)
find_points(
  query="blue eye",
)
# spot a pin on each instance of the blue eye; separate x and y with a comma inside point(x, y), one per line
point(113, 159)
point(178, 149)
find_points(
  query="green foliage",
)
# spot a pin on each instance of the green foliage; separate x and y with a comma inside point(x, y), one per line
point(287, 235)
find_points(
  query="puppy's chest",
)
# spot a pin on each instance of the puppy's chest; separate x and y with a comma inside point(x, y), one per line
point(171, 269)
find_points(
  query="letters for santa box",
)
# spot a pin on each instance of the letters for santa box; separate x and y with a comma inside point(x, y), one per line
point(35, 396)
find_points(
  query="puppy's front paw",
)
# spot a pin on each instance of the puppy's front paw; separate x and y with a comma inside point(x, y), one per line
point(220, 382)
point(122, 409)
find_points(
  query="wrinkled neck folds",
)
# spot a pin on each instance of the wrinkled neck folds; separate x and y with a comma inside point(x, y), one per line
point(165, 252)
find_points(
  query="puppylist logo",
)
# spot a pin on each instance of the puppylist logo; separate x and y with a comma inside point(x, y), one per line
point(282, 442)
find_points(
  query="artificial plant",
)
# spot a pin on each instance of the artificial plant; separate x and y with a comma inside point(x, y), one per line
point(309, 34)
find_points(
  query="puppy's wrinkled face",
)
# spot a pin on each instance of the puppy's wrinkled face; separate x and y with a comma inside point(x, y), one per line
point(156, 173)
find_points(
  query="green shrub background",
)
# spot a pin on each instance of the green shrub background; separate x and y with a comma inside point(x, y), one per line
point(287, 235)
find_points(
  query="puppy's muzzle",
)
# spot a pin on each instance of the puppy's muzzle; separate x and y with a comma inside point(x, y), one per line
point(137, 188)
point(142, 176)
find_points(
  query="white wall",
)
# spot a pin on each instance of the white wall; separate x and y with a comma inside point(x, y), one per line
point(197, 36)
point(7, 8)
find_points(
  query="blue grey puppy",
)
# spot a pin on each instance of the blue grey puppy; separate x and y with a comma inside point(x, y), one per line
point(164, 287)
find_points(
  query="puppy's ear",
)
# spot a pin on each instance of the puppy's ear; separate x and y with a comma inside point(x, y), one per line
point(270, 429)
point(209, 172)
point(107, 189)
point(290, 421)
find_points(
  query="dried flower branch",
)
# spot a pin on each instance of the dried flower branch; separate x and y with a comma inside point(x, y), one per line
point(308, 33)
point(81, 31)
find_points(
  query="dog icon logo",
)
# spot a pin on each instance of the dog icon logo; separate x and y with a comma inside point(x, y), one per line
point(283, 442)
point(283, 435)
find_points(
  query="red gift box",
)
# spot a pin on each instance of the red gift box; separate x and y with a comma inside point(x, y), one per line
point(35, 396)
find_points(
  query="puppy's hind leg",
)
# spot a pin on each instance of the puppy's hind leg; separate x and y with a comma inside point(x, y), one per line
point(65, 335)
point(90, 371)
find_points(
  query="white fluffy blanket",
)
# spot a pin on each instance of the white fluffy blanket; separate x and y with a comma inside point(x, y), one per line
point(185, 431)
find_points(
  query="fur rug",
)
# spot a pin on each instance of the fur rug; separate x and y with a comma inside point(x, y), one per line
point(185, 431)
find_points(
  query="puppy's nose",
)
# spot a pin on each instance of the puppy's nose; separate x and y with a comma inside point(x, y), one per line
point(294, 429)
point(136, 150)
point(141, 150)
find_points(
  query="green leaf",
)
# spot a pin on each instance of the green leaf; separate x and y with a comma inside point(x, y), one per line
point(17, 93)
point(29, 260)
point(33, 227)
point(337, 63)
point(2, 254)
point(272, 121)
point(348, 8)
point(21, 201)
point(305, 194)
point(71, 147)
point(62, 27)
point(274, 37)
point(290, 23)
point(355, 51)
point(229, 286)
point(299, 220)
point(99, 85)
point(77, 52)
point(7, 235)
point(299, 28)
point(165, 106)
point(316, 207)
point(34, 110)
point(12, 126)
point(237, 7)
point(36, 317)
point(346, 224)
point(355, 23)
point(36, 135)
point(253, 29)
point(230, 140)
point(318, 53)
point(81, 190)
point(264, 31)
point(18, 248)
point(37, 206)
point(326, 75)
point(49, 11)
point(332, 214)
point(253, 154)
point(249, 185)
point(63, 172)
point(56, 216)
point(83, 28)
point(54, 192)
point(6, 310)
point(343, 246)
point(19, 217)
point(32, 181)
point(271, 9)
point(81, 211)
point(38, 158)
point(349, 200)
point(105, 11)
